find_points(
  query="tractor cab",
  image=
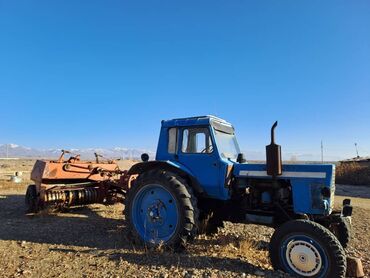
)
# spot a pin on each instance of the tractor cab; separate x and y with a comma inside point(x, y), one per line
point(206, 147)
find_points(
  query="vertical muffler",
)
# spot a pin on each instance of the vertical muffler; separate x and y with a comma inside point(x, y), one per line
point(273, 155)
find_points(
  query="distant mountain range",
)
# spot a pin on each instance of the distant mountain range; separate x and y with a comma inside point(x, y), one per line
point(13, 150)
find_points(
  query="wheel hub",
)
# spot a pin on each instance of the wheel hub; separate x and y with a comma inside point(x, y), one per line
point(303, 258)
point(155, 213)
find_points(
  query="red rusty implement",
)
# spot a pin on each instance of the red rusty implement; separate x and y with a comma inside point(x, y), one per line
point(67, 182)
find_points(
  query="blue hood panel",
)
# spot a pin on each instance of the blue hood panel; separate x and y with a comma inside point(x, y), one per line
point(306, 180)
point(318, 171)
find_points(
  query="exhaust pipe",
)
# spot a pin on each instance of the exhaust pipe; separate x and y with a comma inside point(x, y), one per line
point(273, 155)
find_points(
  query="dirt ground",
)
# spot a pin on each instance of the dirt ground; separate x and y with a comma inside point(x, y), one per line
point(90, 242)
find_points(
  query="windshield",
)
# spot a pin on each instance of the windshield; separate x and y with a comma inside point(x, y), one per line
point(227, 144)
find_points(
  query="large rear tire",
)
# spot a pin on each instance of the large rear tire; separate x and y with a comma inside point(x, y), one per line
point(160, 209)
point(306, 249)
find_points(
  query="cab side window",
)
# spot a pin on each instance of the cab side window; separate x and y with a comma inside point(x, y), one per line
point(196, 140)
point(172, 140)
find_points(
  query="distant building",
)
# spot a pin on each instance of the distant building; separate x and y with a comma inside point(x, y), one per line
point(362, 161)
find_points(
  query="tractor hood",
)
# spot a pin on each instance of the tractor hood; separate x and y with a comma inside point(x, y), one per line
point(316, 181)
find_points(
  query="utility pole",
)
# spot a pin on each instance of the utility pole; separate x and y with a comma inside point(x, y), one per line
point(356, 150)
point(322, 153)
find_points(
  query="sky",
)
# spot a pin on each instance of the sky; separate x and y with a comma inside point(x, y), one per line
point(77, 74)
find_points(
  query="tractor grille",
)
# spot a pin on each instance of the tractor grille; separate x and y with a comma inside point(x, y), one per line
point(316, 196)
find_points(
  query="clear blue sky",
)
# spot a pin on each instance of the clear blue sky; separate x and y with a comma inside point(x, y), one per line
point(104, 73)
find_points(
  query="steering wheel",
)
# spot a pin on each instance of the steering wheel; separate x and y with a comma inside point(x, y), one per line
point(209, 148)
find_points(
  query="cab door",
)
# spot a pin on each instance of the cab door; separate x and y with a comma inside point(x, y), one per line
point(197, 153)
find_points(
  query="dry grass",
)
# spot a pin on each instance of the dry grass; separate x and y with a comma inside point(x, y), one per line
point(352, 173)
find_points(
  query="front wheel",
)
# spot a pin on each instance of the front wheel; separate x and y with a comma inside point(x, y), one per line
point(307, 249)
point(342, 230)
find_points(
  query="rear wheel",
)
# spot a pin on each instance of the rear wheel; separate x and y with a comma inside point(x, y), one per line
point(307, 249)
point(31, 199)
point(161, 209)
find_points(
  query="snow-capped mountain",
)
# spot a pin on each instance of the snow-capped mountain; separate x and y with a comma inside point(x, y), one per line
point(13, 150)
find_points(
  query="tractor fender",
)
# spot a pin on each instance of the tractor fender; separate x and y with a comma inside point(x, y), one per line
point(177, 168)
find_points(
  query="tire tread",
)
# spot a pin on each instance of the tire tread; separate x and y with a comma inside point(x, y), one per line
point(323, 235)
point(184, 194)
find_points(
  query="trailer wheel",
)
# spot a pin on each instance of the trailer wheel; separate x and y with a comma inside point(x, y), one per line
point(161, 209)
point(342, 230)
point(307, 249)
point(31, 199)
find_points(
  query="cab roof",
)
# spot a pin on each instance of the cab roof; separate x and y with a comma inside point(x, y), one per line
point(194, 121)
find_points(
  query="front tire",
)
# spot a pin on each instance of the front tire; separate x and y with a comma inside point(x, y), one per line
point(161, 209)
point(342, 230)
point(306, 249)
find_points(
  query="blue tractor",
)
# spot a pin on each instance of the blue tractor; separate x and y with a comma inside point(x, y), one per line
point(200, 179)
